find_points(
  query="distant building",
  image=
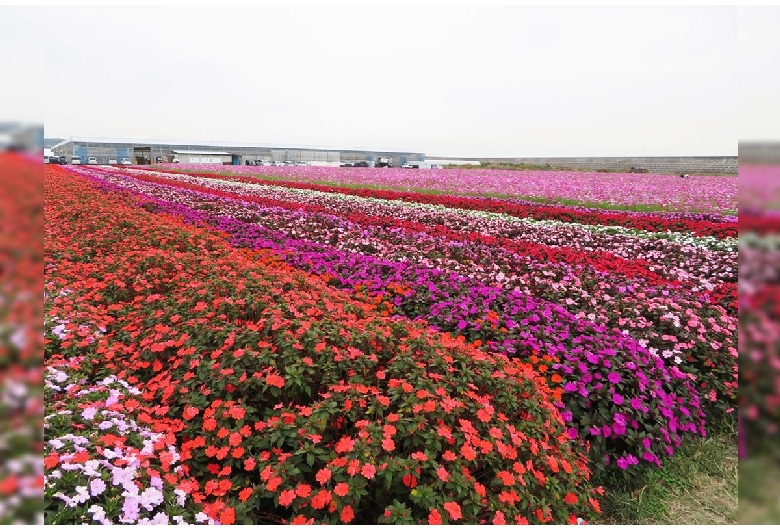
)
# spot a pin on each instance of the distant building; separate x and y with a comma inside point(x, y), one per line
point(141, 152)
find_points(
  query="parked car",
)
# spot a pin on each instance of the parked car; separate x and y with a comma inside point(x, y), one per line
point(47, 160)
point(112, 161)
point(75, 160)
point(126, 161)
point(92, 160)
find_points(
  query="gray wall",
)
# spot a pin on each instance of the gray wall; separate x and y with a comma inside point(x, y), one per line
point(761, 152)
point(663, 165)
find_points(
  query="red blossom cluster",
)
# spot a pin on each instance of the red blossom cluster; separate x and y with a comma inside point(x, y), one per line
point(292, 401)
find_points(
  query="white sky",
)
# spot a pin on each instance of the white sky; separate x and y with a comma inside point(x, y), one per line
point(759, 75)
point(455, 81)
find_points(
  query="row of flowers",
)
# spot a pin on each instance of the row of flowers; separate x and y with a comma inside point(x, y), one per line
point(699, 225)
point(504, 320)
point(708, 193)
point(759, 300)
point(287, 401)
point(21, 335)
point(657, 259)
point(759, 330)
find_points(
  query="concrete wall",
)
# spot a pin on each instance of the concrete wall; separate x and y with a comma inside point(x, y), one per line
point(663, 165)
point(759, 152)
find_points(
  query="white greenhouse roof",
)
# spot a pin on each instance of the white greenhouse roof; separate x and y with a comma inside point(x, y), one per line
point(217, 153)
point(223, 145)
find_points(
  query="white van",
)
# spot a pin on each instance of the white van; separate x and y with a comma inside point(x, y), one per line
point(112, 161)
point(126, 161)
point(92, 160)
point(75, 160)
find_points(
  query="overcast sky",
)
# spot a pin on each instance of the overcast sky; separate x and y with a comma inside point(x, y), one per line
point(455, 81)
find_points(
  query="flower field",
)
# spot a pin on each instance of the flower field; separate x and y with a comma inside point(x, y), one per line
point(233, 349)
point(665, 192)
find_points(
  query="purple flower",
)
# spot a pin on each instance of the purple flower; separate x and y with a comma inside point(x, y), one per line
point(617, 399)
point(592, 358)
point(150, 498)
point(96, 487)
point(130, 509)
point(614, 378)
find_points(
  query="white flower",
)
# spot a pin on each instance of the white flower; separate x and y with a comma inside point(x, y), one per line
point(82, 495)
point(150, 498)
point(181, 496)
point(96, 487)
point(160, 518)
point(98, 513)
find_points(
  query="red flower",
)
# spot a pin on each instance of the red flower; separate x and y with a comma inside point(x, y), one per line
point(287, 497)
point(189, 412)
point(499, 518)
point(347, 514)
point(341, 489)
point(320, 500)
point(422, 457)
point(449, 456)
point(409, 481)
point(235, 439)
point(468, 452)
point(480, 489)
point(227, 516)
point(323, 475)
point(52, 460)
point(303, 491)
point(301, 519)
point(509, 497)
point(434, 517)
point(570, 498)
point(453, 508)
point(275, 380)
point(273, 483)
point(507, 478)
point(442, 473)
point(245, 494)
point(368, 471)
point(388, 444)
point(249, 464)
point(345, 445)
